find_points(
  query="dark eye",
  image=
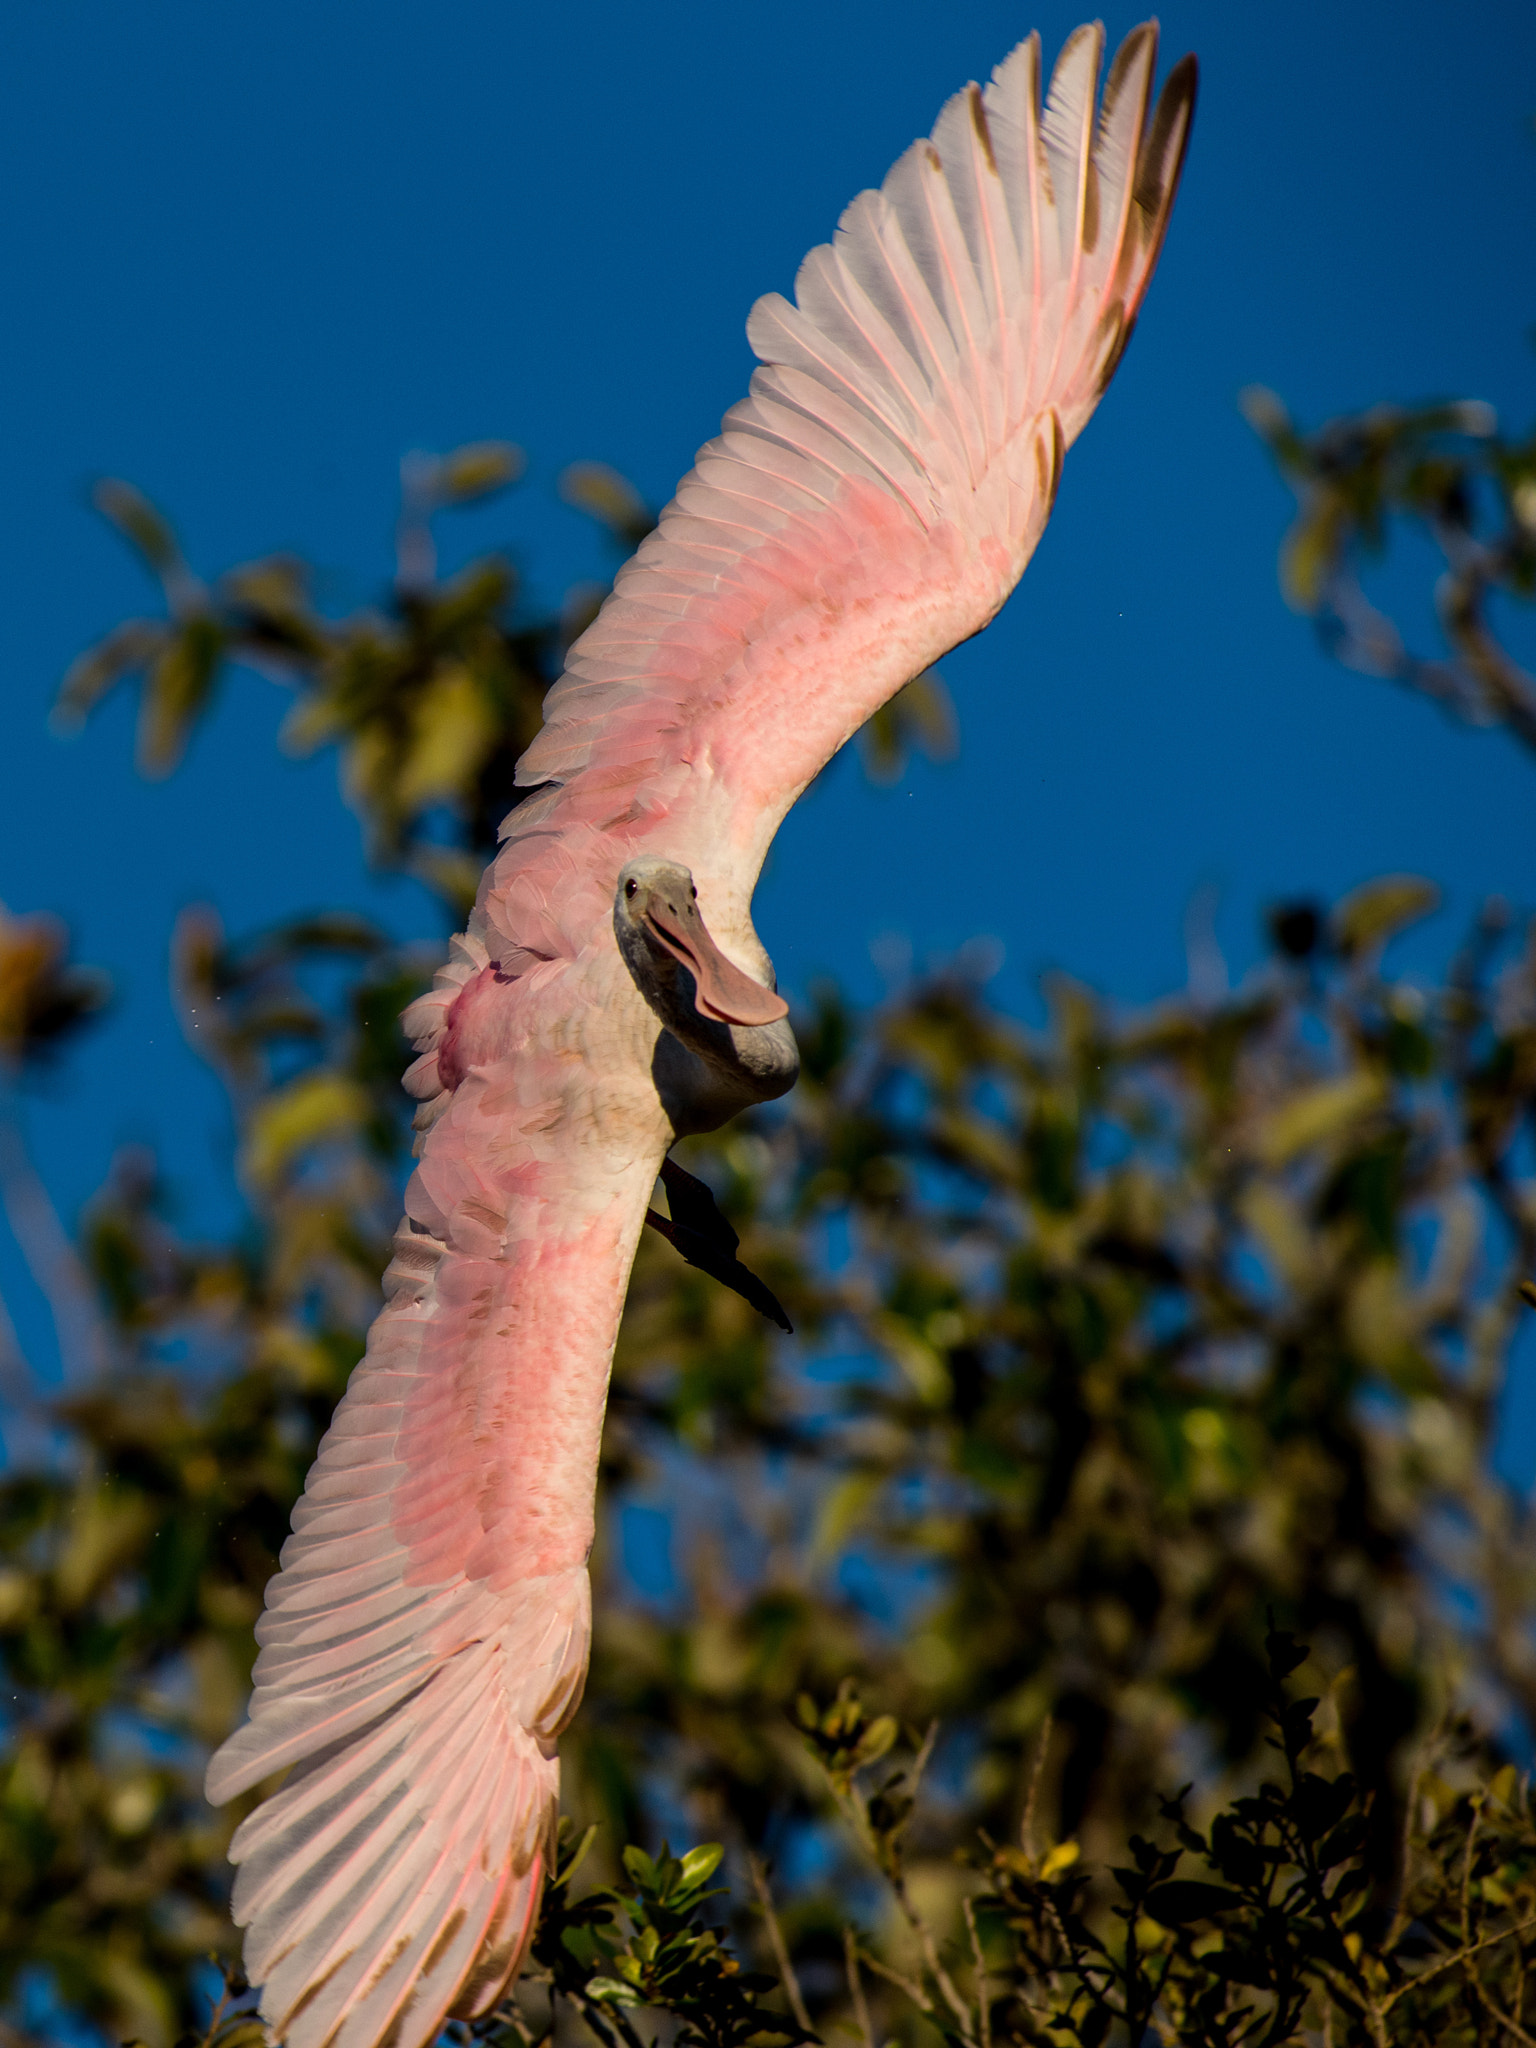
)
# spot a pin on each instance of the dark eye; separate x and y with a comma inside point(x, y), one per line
point(631, 887)
point(694, 894)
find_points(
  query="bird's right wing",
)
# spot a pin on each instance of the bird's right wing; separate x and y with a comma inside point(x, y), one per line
point(875, 498)
point(426, 1638)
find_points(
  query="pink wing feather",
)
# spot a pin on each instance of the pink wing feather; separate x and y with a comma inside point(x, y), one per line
point(871, 503)
point(427, 1636)
point(876, 497)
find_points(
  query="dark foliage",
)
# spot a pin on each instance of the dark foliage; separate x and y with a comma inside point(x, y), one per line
point(1114, 1341)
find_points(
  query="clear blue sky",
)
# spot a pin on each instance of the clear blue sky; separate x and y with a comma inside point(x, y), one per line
point(251, 253)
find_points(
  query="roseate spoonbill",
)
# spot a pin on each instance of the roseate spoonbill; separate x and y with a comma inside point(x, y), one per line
point(871, 503)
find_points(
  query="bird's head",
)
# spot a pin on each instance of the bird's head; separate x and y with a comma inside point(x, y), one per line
point(659, 927)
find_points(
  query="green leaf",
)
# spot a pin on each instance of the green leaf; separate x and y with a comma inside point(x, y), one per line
point(1318, 1116)
point(1296, 1723)
point(878, 1738)
point(1373, 912)
point(573, 1854)
point(611, 1991)
point(700, 1864)
point(1187, 1898)
point(454, 727)
point(1320, 1803)
point(1285, 1654)
point(1094, 2026)
point(176, 689)
point(477, 469)
point(316, 1108)
point(602, 492)
point(139, 522)
point(136, 644)
point(1347, 1840)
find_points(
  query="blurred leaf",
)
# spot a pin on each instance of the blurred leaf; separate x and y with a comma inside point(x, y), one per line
point(176, 688)
point(1318, 1115)
point(1379, 909)
point(42, 998)
point(455, 727)
point(919, 718)
point(133, 646)
point(479, 468)
point(308, 1111)
point(594, 488)
point(143, 526)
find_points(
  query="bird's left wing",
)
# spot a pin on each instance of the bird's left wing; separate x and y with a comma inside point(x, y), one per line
point(876, 497)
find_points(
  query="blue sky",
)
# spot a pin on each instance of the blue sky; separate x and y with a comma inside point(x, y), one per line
point(252, 254)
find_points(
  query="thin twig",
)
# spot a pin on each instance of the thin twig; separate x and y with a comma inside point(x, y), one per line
point(16, 1376)
point(912, 1988)
point(983, 1988)
point(856, 1988)
point(1451, 1962)
point(914, 1919)
point(930, 1948)
point(1027, 1820)
point(920, 1762)
point(787, 1975)
point(888, 1861)
point(53, 1262)
point(1466, 1872)
point(1503, 2019)
point(1405, 1847)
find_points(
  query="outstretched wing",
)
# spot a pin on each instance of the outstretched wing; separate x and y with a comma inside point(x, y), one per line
point(427, 1636)
point(876, 497)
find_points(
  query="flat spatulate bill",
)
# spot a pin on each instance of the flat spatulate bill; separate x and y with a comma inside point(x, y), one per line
point(723, 992)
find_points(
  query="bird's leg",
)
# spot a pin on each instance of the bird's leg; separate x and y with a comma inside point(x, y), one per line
point(706, 1240)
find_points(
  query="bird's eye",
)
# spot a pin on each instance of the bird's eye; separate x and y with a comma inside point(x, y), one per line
point(631, 887)
point(693, 893)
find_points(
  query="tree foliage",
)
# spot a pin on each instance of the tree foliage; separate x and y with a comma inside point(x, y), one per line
point(1135, 1353)
point(1448, 474)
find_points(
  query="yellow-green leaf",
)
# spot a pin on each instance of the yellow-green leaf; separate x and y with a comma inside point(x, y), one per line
point(841, 1510)
point(316, 1107)
point(878, 1738)
point(1377, 909)
point(175, 690)
point(141, 523)
point(478, 468)
point(104, 1530)
point(454, 729)
point(596, 489)
point(702, 1863)
point(1317, 1115)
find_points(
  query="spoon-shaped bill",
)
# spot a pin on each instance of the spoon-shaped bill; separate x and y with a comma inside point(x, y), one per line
point(722, 991)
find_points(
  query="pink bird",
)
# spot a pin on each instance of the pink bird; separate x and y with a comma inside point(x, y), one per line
point(870, 504)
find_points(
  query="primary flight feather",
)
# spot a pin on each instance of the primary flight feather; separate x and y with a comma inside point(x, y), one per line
point(872, 502)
